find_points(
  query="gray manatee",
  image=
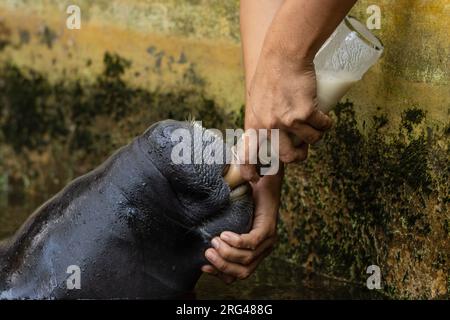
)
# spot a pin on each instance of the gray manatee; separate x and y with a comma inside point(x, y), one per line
point(136, 227)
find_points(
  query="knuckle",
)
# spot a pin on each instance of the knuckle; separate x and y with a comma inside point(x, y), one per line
point(248, 259)
point(239, 243)
point(254, 243)
point(306, 112)
point(288, 120)
point(222, 266)
point(225, 252)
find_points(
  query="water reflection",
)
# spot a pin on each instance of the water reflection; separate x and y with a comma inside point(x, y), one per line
point(276, 279)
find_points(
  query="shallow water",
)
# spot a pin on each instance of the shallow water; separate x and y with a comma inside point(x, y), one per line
point(274, 279)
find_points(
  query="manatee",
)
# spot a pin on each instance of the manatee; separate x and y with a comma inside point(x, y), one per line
point(136, 227)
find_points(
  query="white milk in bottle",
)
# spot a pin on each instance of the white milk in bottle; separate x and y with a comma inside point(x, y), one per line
point(331, 87)
point(343, 60)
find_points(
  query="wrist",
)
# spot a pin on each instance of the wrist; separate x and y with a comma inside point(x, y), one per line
point(286, 58)
point(283, 52)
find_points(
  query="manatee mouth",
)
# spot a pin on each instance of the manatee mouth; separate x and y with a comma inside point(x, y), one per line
point(230, 172)
point(238, 186)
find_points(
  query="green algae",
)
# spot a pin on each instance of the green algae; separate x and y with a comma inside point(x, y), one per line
point(361, 195)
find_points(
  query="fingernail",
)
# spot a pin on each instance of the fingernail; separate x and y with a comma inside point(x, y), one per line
point(210, 255)
point(215, 243)
point(207, 269)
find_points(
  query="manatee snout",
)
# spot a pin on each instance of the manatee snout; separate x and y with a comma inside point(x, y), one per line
point(209, 201)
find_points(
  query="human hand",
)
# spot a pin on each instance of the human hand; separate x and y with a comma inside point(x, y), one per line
point(282, 95)
point(236, 256)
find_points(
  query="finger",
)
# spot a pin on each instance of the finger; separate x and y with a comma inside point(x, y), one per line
point(249, 240)
point(306, 133)
point(233, 269)
point(288, 153)
point(319, 120)
point(255, 239)
point(209, 269)
point(241, 256)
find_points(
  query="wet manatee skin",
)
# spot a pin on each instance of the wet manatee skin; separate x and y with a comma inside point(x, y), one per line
point(136, 226)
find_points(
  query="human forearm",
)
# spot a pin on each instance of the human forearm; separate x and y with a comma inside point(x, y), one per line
point(237, 256)
point(255, 18)
point(279, 70)
point(300, 27)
